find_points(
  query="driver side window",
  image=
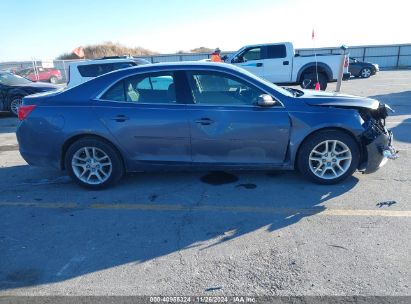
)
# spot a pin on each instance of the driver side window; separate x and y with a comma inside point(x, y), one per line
point(214, 88)
point(252, 54)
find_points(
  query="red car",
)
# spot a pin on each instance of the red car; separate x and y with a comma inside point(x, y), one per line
point(41, 74)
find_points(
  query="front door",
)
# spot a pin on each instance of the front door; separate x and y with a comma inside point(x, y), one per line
point(144, 114)
point(227, 127)
point(251, 59)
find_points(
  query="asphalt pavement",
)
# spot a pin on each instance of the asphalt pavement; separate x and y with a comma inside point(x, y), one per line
point(247, 233)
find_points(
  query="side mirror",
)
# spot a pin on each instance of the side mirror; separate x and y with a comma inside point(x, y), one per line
point(224, 58)
point(265, 100)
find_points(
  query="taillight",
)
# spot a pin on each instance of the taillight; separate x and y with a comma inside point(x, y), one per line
point(24, 111)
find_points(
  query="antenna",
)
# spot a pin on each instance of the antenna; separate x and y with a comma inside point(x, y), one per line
point(317, 85)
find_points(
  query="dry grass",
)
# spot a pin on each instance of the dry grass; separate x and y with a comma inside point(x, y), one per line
point(108, 49)
point(202, 49)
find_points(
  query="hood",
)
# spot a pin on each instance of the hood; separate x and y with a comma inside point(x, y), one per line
point(320, 98)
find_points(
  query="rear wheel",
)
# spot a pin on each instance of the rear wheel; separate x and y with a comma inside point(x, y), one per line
point(308, 81)
point(328, 157)
point(93, 163)
point(366, 72)
point(14, 105)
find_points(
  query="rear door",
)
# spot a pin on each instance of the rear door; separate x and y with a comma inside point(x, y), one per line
point(228, 128)
point(148, 118)
point(277, 66)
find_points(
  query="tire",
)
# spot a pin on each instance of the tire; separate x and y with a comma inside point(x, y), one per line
point(53, 79)
point(309, 79)
point(331, 167)
point(14, 104)
point(365, 72)
point(99, 169)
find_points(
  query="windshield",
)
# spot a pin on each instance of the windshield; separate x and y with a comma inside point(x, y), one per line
point(11, 79)
point(267, 83)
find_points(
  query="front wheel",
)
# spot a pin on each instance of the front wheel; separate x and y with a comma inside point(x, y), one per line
point(93, 163)
point(328, 157)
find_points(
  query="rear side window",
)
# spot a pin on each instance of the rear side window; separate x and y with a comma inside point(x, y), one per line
point(276, 51)
point(94, 70)
point(116, 93)
point(146, 88)
point(122, 65)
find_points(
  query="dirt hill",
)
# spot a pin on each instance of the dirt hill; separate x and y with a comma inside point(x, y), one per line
point(108, 49)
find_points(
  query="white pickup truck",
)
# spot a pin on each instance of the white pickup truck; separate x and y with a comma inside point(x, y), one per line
point(278, 63)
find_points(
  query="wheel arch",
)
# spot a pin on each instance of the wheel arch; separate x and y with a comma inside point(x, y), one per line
point(311, 68)
point(340, 129)
point(71, 140)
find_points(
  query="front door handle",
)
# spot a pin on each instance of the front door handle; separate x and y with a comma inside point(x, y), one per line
point(286, 62)
point(120, 118)
point(260, 64)
point(204, 121)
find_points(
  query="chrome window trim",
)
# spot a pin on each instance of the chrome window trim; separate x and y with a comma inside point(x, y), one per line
point(184, 69)
point(191, 104)
point(140, 103)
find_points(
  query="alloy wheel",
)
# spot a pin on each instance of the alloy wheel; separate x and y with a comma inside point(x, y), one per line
point(365, 73)
point(14, 105)
point(330, 159)
point(91, 165)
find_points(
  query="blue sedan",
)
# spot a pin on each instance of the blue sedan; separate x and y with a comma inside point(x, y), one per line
point(202, 116)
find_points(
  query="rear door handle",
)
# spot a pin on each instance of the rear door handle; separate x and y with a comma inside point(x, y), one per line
point(204, 121)
point(120, 118)
point(286, 62)
point(260, 64)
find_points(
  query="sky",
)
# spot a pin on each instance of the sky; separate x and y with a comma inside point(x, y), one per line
point(44, 29)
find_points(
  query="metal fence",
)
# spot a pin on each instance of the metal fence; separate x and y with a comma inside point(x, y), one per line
point(386, 56)
point(396, 56)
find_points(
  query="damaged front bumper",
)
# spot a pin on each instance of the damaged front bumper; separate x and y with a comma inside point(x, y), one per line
point(378, 150)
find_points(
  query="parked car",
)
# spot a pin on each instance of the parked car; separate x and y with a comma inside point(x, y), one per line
point(13, 88)
point(362, 69)
point(201, 116)
point(41, 74)
point(278, 63)
point(82, 71)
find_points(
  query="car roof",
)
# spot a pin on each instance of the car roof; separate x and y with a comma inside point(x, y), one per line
point(185, 64)
point(181, 65)
point(265, 44)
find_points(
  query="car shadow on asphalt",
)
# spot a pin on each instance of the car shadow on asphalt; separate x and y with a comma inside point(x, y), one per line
point(401, 104)
point(8, 123)
point(51, 230)
point(402, 131)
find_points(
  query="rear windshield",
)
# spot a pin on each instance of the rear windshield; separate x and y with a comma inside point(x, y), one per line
point(94, 70)
point(11, 79)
